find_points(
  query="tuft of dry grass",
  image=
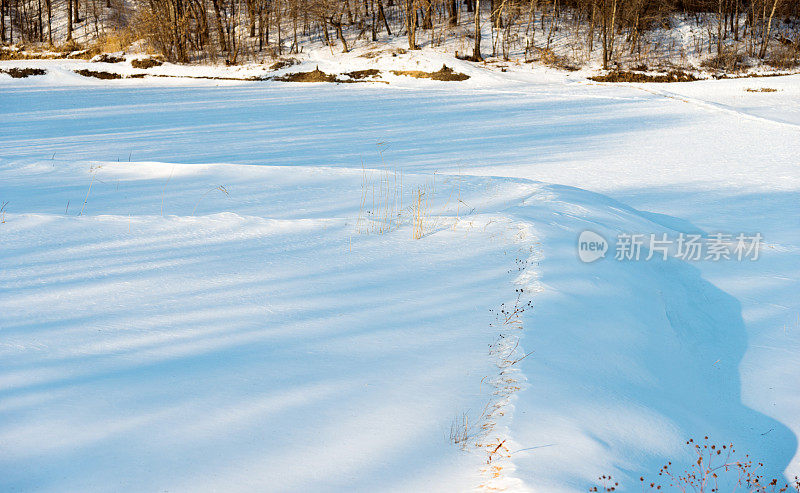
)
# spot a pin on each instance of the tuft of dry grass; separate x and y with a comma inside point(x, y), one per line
point(93, 173)
point(381, 209)
point(68, 47)
point(460, 434)
point(761, 89)
point(221, 188)
point(419, 213)
point(113, 41)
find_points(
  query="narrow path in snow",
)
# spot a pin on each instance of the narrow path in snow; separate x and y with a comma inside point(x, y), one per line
point(714, 106)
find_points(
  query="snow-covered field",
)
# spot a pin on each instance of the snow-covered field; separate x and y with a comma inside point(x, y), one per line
point(197, 292)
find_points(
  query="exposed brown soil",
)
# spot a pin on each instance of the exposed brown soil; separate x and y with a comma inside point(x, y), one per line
point(106, 58)
point(445, 74)
point(468, 58)
point(625, 76)
point(21, 73)
point(754, 76)
point(98, 74)
point(318, 75)
point(377, 53)
point(369, 73)
point(315, 75)
point(284, 63)
point(112, 75)
point(145, 63)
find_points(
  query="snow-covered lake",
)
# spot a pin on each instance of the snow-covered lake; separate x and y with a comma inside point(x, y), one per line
point(217, 287)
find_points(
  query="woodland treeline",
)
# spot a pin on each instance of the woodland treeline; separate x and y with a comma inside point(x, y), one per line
point(233, 30)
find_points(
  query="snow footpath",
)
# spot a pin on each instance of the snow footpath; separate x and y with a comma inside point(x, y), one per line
point(179, 324)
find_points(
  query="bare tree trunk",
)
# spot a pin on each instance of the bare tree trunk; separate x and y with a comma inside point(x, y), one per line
point(719, 27)
point(295, 48)
point(251, 12)
point(411, 24)
point(605, 34)
point(261, 26)
point(613, 27)
point(40, 26)
point(349, 12)
point(427, 20)
point(49, 4)
point(69, 20)
point(767, 31)
point(494, 14)
point(382, 16)
point(476, 52)
point(592, 26)
point(609, 32)
point(325, 33)
point(220, 30)
point(452, 12)
point(337, 24)
point(278, 25)
point(373, 20)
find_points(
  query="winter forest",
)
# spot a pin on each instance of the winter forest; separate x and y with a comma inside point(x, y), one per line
point(729, 33)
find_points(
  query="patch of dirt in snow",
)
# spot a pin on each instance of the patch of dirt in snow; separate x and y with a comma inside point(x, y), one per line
point(98, 74)
point(444, 74)
point(284, 63)
point(626, 76)
point(380, 52)
point(21, 73)
point(145, 63)
point(318, 75)
point(107, 58)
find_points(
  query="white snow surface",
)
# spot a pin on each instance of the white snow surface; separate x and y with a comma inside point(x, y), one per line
point(158, 332)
